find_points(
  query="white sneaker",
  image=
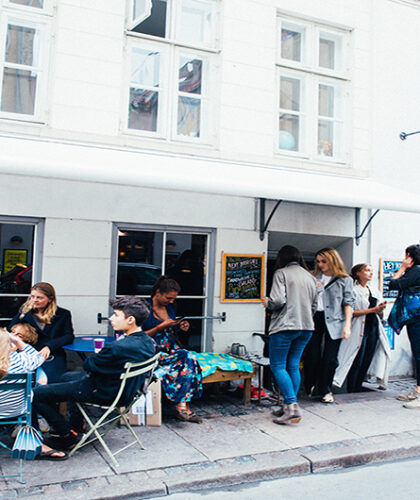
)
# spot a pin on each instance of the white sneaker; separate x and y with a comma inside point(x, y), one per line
point(414, 404)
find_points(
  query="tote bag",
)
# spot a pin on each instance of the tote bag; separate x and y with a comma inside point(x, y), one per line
point(405, 308)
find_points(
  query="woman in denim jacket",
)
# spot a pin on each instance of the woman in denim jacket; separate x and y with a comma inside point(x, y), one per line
point(332, 323)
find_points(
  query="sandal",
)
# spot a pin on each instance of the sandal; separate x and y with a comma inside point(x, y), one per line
point(49, 455)
point(187, 416)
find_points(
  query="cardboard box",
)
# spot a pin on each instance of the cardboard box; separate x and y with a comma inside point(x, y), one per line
point(148, 409)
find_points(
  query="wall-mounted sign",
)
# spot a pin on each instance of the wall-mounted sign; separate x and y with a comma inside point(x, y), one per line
point(387, 269)
point(242, 277)
point(13, 257)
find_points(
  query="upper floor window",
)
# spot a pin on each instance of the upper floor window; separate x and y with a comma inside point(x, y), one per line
point(24, 29)
point(313, 90)
point(172, 45)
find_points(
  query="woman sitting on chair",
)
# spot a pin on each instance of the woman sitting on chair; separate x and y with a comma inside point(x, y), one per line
point(18, 357)
point(181, 379)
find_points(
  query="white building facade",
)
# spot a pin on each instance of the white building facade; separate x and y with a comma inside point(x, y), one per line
point(138, 134)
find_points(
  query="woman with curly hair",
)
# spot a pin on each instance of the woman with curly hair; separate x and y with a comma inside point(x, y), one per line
point(181, 374)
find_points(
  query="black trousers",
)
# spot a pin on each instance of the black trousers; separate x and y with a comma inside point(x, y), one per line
point(362, 361)
point(320, 359)
point(76, 387)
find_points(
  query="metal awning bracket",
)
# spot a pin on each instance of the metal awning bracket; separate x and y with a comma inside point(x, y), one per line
point(359, 233)
point(263, 223)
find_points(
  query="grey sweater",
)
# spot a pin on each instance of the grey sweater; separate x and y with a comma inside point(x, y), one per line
point(293, 299)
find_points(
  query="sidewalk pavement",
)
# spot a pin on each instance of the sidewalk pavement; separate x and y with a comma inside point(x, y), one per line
point(235, 444)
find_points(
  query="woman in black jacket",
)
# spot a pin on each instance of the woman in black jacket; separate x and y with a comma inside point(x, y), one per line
point(53, 325)
point(407, 280)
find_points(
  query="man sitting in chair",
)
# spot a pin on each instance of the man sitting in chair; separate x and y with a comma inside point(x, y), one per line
point(100, 381)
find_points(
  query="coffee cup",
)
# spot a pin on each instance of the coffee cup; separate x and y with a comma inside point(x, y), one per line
point(98, 344)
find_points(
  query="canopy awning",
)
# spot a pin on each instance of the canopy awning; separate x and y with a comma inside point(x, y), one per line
point(42, 158)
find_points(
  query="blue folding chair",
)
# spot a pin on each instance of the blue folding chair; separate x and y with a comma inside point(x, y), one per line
point(17, 382)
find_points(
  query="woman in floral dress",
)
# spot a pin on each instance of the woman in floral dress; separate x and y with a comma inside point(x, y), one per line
point(181, 374)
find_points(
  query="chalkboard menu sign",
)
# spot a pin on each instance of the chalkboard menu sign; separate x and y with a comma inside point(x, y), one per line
point(387, 270)
point(242, 277)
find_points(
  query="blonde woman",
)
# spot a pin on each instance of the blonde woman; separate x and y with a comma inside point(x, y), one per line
point(18, 357)
point(332, 323)
point(53, 325)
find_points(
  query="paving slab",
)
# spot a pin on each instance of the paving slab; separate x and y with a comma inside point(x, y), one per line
point(226, 437)
point(89, 464)
point(163, 448)
point(312, 429)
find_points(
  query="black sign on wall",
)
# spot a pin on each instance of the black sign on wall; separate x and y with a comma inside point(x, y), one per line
point(242, 277)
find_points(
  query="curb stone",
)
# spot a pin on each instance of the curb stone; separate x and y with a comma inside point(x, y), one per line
point(230, 471)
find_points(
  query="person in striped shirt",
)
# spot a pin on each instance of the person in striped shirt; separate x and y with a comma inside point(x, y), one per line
point(18, 357)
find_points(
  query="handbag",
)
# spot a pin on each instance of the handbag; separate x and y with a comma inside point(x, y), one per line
point(405, 308)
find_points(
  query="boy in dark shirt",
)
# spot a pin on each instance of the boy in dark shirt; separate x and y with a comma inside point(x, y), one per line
point(100, 381)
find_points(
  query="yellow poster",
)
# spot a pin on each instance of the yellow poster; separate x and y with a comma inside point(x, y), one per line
point(13, 257)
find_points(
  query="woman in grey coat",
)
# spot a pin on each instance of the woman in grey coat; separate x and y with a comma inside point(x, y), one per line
point(332, 323)
point(292, 300)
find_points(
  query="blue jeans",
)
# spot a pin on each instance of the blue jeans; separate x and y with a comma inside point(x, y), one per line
point(286, 349)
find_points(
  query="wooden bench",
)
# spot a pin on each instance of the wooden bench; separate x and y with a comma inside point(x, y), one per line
point(225, 376)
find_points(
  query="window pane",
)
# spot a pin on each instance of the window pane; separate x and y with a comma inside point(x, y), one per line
point(191, 307)
point(145, 65)
point(20, 45)
point(292, 40)
point(196, 22)
point(330, 50)
point(19, 89)
point(143, 110)
point(9, 306)
point(326, 101)
point(190, 73)
point(189, 113)
point(30, 3)
point(326, 138)
point(154, 23)
point(289, 132)
point(327, 53)
point(290, 93)
point(185, 261)
point(16, 250)
point(139, 261)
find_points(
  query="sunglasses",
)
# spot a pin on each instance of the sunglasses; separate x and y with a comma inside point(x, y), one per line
point(321, 261)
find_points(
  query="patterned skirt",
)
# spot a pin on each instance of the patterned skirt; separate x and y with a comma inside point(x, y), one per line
point(182, 379)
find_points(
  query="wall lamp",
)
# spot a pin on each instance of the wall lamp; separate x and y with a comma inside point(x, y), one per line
point(404, 135)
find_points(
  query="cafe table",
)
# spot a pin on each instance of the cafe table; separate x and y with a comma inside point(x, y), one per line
point(85, 345)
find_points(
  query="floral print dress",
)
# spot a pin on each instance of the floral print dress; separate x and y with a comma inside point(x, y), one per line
point(182, 379)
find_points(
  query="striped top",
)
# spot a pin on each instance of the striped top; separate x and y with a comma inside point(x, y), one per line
point(12, 403)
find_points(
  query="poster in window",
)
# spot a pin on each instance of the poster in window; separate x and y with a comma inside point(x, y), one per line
point(12, 257)
point(242, 277)
point(387, 269)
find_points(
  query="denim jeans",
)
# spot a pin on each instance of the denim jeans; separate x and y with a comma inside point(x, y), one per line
point(78, 387)
point(286, 349)
point(413, 330)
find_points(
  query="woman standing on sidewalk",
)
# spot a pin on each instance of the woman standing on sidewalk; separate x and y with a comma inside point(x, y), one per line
point(292, 300)
point(368, 346)
point(332, 323)
point(407, 280)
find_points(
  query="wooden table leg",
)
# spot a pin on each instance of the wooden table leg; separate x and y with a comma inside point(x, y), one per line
point(247, 391)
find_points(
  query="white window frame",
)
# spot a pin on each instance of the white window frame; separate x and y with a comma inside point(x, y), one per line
point(46, 9)
point(314, 74)
point(26, 17)
point(167, 128)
